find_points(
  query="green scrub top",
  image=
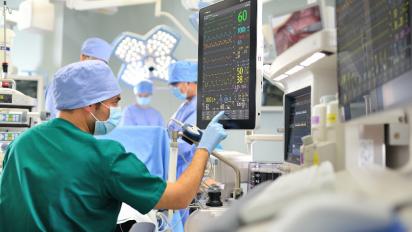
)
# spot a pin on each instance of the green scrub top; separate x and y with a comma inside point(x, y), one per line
point(58, 178)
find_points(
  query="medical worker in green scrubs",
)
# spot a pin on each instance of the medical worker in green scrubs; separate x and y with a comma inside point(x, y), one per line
point(58, 177)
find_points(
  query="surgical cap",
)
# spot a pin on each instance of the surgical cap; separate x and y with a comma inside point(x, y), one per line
point(183, 71)
point(97, 48)
point(144, 86)
point(84, 83)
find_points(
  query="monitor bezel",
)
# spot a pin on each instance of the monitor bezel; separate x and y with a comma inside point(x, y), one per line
point(253, 79)
point(40, 87)
point(287, 102)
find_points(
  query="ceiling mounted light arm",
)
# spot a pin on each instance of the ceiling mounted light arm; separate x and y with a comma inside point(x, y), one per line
point(159, 13)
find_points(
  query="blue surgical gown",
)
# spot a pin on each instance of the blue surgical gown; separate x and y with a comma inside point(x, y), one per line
point(186, 113)
point(149, 143)
point(135, 115)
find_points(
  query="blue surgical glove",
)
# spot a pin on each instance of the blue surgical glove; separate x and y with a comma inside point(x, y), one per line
point(213, 134)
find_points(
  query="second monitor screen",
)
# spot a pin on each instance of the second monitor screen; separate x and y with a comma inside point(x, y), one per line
point(226, 72)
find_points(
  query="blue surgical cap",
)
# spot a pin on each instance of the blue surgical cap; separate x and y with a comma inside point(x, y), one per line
point(97, 48)
point(84, 83)
point(144, 86)
point(183, 71)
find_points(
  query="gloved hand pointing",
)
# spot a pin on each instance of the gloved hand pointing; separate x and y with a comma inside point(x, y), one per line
point(213, 134)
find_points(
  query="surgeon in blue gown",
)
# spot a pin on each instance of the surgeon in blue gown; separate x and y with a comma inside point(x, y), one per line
point(92, 49)
point(141, 113)
point(183, 80)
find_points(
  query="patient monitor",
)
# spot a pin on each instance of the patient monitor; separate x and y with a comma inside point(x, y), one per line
point(230, 63)
point(374, 82)
point(378, 76)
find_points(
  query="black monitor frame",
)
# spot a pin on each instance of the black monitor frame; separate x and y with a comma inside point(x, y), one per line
point(255, 58)
point(288, 98)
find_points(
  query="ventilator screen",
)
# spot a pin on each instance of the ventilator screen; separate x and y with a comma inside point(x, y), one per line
point(297, 123)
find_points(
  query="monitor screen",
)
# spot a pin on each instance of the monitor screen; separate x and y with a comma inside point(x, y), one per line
point(291, 28)
point(228, 63)
point(374, 55)
point(27, 87)
point(297, 123)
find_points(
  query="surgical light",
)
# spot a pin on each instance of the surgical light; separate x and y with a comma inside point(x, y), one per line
point(146, 57)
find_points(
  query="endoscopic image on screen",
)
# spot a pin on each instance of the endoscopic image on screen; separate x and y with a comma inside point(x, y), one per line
point(291, 28)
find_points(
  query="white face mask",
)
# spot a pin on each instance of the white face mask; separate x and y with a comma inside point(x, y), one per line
point(104, 127)
point(143, 101)
point(179, 95)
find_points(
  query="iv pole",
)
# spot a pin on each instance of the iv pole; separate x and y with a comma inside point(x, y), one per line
point(5, 65)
